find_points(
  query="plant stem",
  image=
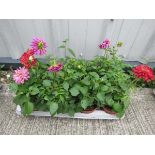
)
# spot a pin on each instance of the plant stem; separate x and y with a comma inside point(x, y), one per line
point(55, 74)
point(65, 48)
point(105, 53)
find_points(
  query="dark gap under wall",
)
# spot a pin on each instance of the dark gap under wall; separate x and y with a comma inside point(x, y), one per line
point(8, 61)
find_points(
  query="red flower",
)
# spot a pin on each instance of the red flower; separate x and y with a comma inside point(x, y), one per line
point(27, 59)
point(144, 72)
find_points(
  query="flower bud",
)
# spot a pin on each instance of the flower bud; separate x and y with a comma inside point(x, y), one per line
point(79, 66)
point(119, 44)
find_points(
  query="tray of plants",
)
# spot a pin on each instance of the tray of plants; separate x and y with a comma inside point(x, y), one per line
point(96, 114)
point(72, 87)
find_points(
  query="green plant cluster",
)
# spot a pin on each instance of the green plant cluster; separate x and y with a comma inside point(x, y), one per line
point(80, 85)
point(140, 83)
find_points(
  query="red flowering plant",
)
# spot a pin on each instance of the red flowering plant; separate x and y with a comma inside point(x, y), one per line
point(143, 74)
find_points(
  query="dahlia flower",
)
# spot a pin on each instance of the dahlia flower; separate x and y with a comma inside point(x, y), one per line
point(55, 68)
point(144, 72)
point(27, 59)
point(39, 46)
point(21, 75)
point(105, 44)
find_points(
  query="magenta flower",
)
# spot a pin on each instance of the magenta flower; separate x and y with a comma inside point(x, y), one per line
point(39, 46)
point(55, 68)
point(105, 44)
point(21, 75)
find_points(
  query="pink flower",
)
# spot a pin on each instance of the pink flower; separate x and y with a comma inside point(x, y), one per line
point(39, 46)
point(55, 68)
point(20, 75)
point(105, 44)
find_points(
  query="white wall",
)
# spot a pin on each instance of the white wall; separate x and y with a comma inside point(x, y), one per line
point(84, 36)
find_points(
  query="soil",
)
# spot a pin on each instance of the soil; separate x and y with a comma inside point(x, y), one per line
point(89, 110)
point(5, 77)
point(109, 110)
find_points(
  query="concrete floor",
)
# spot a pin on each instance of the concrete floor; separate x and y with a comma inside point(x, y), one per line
point(139, 120)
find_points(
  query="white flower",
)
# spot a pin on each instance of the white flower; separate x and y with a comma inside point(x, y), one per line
point(8, 76)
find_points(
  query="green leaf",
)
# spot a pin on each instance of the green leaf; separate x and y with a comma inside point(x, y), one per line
point(104, 88)
point(74, 91)
point(71, 52)
point(95, 75)
point(28, 108)
point(71, 112)
point(33, 70)
point(34, 91)
point(117, 107)
point(62, 99)
point(109, 101)
point(46, 98)
point(84, 103)
point(66, 85)
point(20, 99)
point(100, 96)
point(126, 104)
point(51, 76)
point(123, 86)
point(104, 78)
point(2, 66)
point(62, 46)
point(53, 108)
point(96, 85)
point(86, 81)
point(83, 90)
point(13, 87)
point(47, 83)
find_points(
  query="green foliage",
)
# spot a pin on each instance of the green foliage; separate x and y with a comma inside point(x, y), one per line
point(21, 99)
point(79, 85)
point(13, 87)
point(46, 83)
point(74, 91)
point(53, 108)
point(27, 108)
point(33, 90)
point(85, 103)
point(1, 66)
point(71, 52)
point(66, 48)
point(66, 85)
point(100, 96)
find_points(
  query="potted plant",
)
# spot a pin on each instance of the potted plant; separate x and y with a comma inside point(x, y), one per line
point(70, 86)
point(143, 76)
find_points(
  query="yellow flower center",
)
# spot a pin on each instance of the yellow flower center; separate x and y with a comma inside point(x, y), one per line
point(30, 58)
point(40, 45)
